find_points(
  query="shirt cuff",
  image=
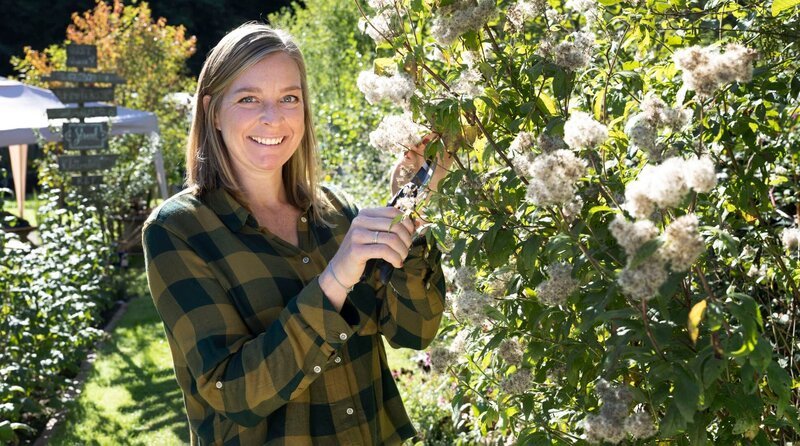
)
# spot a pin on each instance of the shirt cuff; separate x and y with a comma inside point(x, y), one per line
point(321, 316)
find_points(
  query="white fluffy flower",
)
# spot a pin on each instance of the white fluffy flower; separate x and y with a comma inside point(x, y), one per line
point(455, 19)
point(582, 131)
point(791, 238)
point(397, 88)
point(553, 177)
point(643, 281)
point(640, 425)
point(469, 84)
point(642, 128)
point(572, 54)
point(705, 68)
point(442, 358)
point(380, 4)
point(381, 27)
point(396, 133)
point(523, 10)
point(632, 235)
point(682, 243)
point(464, 278)
point(510, 351)
point(517, 383)
point(555, 290)
point(665, 185)
point(700, 174)
point(468, 306)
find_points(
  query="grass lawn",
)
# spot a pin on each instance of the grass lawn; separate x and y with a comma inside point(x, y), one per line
point(31, 208)
point(131, 396)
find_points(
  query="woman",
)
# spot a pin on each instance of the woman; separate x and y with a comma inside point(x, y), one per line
point(256, 270)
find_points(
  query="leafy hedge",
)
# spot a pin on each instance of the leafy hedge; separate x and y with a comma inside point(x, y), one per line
point(621, 214)
point(53, 298)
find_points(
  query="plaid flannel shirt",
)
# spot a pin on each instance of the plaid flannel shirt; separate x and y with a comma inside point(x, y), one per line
point(260, 353)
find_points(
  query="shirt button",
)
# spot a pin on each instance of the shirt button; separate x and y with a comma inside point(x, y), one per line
point(306, 260)
point(219, 384)
point(350, 411)
point(337, 359)
point(303, 219)
point(343, 336)
point(317, 369)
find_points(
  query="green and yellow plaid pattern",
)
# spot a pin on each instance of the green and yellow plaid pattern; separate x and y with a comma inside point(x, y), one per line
point(260, 353)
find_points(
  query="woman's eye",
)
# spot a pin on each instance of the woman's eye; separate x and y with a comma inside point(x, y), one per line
point(248, 100)
point(290, 99)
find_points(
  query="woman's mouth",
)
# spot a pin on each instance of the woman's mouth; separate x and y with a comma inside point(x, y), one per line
point(267, 141)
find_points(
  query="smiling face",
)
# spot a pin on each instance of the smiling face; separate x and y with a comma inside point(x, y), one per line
point(261, 116)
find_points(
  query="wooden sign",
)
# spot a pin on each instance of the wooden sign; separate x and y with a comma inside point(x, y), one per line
point(86, 163)
point(89, 180)
point(85, 136)
point(81, 56)
point(82, 76)
point(80, 112)
point(70, 95)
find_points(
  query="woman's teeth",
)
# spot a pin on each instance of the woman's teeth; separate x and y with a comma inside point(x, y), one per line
point(267, 141)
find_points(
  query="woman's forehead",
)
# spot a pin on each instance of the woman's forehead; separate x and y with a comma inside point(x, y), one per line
point(276, 71)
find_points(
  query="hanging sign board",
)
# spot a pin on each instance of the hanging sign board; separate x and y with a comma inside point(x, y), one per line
point(81, 56)
point(82, 76)
point(85, 136)
point(80, 112)
point(85, 163)
point(89, 180)
point(70, 95)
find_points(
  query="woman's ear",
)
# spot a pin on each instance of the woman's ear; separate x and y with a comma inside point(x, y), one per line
point(206, 101)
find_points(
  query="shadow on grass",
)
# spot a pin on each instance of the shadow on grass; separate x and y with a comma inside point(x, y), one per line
point(131, 396)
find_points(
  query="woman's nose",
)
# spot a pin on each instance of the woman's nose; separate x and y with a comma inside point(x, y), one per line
point(271, 114)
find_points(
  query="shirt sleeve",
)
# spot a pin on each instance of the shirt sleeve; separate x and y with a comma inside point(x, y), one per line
point(408, 310)
point(242, 375)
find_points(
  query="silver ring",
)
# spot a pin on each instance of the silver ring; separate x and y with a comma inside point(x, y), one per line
point(375, 240)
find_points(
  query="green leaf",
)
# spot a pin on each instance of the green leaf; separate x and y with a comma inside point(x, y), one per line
point(781, 383)
point(644, 252)
point(686, 394)
point(779, 6)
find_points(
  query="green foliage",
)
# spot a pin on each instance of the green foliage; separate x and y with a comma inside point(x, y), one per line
point(53, 298)
point(726, 373)
point(151, 56)
point(335, 52)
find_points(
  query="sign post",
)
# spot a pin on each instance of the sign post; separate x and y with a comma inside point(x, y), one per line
point(83, 136)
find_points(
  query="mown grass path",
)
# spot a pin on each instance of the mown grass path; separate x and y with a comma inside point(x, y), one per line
point(131, 396)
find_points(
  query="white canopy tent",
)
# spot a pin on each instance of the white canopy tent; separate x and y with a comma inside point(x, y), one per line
point(23, 121)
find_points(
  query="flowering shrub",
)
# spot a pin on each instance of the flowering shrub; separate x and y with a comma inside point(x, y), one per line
point(621, 216)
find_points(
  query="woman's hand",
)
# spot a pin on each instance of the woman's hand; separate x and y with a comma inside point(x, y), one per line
point(372, 235)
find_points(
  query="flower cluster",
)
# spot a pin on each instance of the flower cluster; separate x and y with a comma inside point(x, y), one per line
point(396, 133)
point(614, 421)
point(666, 184)
point(510, 351)
point(459, 17)
point(517, 383)
point(791, 238)
point(572, 54)
point(469, 302)
point(382, 27)
point(523, 10)
point(582, 131)
point(553, 177)
point(642, 128)
point(397, 88)
point(586, 7)
point(555, 290)
point(469, 84)
point(442, 358)
point(705, 68)
point(682, 245)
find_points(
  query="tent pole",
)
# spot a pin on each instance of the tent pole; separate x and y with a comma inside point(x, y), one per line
point(19, 170)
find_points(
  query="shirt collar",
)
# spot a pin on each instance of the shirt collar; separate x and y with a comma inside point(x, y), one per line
point(230, 211)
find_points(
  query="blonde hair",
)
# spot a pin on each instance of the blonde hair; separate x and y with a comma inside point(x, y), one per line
point(208, 166)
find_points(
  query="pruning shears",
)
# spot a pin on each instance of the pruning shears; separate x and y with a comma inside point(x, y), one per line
point(416, 188)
